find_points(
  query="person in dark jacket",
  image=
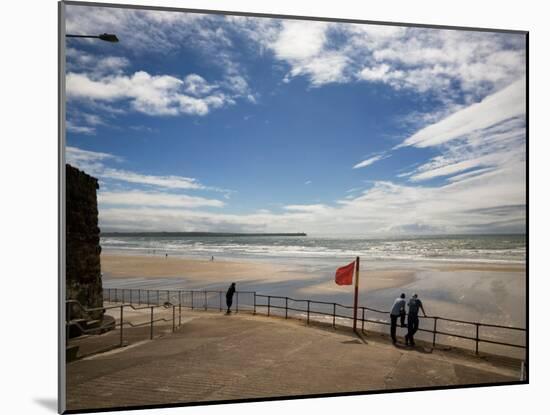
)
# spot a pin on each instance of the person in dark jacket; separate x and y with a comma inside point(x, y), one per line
point(415, 305)
point(229, 297)
point(398, 309)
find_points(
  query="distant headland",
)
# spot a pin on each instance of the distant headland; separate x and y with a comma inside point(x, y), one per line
point(198, 234)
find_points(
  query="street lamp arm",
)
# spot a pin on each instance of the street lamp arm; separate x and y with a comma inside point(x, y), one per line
point(107, 37)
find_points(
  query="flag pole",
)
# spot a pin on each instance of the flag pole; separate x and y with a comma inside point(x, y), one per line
point(356, 294)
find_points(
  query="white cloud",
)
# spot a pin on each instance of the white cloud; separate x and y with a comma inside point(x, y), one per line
point(82, 129)
point(316, 208)
point(498, 107)
point(94, 163)
point(299, 40)
point(477, 141)
point(196, 85)
point(78, 60)
point(490, 203)
point(75, 155)
point(443, 62)
point(159, 199)
point(150, 94)
point(370, 161)
point(421, 59)
point(170, 182)
point(473, 173)
point(158, 32)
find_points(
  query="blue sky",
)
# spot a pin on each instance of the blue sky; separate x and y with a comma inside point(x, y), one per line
point(223, 123)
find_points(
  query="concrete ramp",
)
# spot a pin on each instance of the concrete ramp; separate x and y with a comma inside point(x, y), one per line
point(216, 357)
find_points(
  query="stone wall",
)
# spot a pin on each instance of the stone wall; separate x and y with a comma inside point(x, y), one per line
point(83, 249)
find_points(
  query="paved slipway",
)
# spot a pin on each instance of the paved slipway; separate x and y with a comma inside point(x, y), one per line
point(214, 357)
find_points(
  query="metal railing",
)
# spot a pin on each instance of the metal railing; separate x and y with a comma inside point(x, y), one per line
point(84, 330)
point(213, 300)
point(363, 318)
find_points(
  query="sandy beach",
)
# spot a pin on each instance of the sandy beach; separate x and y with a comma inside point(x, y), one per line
point(213, 272)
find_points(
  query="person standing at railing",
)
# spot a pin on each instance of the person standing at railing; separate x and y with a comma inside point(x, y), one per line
point(229, 297)
point(397, 310)
point(413, 322)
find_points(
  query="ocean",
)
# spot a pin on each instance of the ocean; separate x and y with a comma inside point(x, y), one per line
point(505, 249)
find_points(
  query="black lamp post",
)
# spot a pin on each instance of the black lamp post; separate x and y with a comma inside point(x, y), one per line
point(107, 37)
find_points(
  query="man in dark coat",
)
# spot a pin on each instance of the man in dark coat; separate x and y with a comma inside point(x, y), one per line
point(397, 310)
point(413, 322)
point(229, 297)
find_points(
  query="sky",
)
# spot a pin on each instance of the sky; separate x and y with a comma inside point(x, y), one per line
point(203, 122)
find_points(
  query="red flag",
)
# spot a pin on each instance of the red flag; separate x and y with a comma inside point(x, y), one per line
point(344, 275)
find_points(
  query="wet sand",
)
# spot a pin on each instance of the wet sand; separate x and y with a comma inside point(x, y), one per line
point(148, 266)
point(212, 272)
point(462, 290)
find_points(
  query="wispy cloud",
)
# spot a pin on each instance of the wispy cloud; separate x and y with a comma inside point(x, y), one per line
point(94, 163)
point(500, 106)
point(371, 160)
point(170, 182)
point(386, 208)
point(484, 137)
point(81, 129)
point(158, 199)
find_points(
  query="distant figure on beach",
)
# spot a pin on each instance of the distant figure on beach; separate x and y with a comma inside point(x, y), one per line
point(412, 323)
point(166, 256)
point(229, 297)
point(212, 258)
point(397, 310)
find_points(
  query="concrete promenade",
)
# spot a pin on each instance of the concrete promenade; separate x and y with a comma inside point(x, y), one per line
point(217, 357)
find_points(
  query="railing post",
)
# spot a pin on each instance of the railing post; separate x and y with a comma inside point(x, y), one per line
point(109, 291)
point(308, 301)
point(148, 301)
point(139, 296)
point(334, 315)
point(435, 331)
point(363, 320)
point(173, 318)
point(205, 301)
point(237, 302)
point(254, 302)
point(220, 300)
point(192, 300)
point(116, 295)
point(151, 336)
point(121, 323)
point(286, 307)
point(158, 297)
point(123, 295)
point(179, 323)
point(268, 305)
point(477, 338)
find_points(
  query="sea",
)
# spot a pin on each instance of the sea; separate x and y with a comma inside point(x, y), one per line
point(505, 249)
